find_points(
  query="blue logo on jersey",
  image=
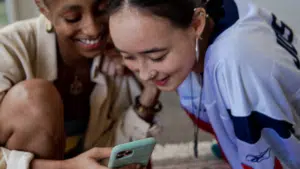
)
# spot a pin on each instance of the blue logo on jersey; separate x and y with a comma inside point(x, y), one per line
point(285, 38)
point(259, 158)
point(249, 128)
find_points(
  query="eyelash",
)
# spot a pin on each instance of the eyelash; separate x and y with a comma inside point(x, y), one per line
point(73, 20)
point(100, 12)
point(153, 60)
point(129, 57)
point(159, 59)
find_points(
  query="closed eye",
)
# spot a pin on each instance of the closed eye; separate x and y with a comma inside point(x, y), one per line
point(73, 20)
point(129, 57)
point(159, 59)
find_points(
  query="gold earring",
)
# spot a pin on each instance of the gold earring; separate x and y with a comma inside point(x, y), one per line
point(49, 27)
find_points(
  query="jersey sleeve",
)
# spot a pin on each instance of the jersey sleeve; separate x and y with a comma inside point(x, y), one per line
point(264, 118)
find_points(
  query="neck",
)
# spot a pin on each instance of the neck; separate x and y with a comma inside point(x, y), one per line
point(203, 45)
point(69, 57)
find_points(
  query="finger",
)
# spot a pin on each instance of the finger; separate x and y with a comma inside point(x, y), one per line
point(133, 166)
point(95, 165)
point(102, 167)
point(105, 64)
point(120, 70)
point(112, 69)
point(112, 53)
point(99, 153)
point(139, 166)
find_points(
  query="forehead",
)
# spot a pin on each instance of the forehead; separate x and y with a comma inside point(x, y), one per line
point(134, 30)
point(60, 4)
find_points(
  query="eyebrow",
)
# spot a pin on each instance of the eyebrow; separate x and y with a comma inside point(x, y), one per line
point(148, 51)
point(71, 7)
point(101, 1)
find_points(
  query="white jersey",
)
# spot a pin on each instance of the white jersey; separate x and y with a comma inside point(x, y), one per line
point(251, 91)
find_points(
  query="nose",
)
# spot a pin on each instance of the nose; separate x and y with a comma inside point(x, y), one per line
point(92, 28)
point(145, 72)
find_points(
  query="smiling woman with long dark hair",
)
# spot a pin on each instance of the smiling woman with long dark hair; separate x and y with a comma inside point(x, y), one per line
point(62, 90)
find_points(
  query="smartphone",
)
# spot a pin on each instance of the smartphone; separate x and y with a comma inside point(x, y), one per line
point(136, 152)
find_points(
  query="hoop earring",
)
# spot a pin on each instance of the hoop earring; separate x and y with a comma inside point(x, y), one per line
point(197, 50)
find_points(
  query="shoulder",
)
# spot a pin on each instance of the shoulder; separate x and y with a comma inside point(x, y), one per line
point(20, 27)
point(18, 42)
point(251, 48)
point(239, 50)
point(252, 45)
point(20, 34)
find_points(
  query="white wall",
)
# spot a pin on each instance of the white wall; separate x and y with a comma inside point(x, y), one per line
point(20, 9)
point(287, 10)
point(27, 9)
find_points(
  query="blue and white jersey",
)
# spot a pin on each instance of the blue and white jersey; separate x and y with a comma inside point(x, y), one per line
point(251, 91)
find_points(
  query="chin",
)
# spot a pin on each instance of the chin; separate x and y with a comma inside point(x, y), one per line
point(91, 55)
point(168, 88)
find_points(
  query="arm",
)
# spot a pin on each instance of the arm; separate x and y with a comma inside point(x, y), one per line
point(140, 113)
point(47, 164)
point(88, 160)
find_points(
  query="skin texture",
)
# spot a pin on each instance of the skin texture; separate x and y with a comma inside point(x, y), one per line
point(157, 46)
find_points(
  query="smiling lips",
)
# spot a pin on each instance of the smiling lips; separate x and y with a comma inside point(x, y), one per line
point(162, 82)
point(90, 44)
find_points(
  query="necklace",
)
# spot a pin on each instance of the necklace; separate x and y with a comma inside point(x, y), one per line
point(78, 83)
point(197, 113)
point(76, 86)
point(69, 73)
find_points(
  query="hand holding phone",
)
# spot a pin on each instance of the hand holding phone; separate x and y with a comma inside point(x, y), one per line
point(136, 152)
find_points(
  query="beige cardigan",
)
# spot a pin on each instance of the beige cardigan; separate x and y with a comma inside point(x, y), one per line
point(28, 51)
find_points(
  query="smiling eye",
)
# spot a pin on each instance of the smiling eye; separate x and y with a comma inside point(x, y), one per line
point(73, 20)
point(129, 57)
point(159, 59)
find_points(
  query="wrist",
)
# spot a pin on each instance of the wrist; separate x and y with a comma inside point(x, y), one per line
point(145, 112)
point(149, 97)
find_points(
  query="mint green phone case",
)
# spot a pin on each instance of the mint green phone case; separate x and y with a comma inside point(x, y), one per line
point(136, 152)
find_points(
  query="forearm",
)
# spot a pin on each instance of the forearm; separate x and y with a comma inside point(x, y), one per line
point(47, 164)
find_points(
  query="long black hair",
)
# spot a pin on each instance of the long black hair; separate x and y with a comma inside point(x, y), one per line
point(179, 12)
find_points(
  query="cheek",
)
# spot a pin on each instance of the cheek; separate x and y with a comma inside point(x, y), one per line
point(65, 30)
point(186, 58)
point(179, 63)
point(180, 67)
point(131, 65)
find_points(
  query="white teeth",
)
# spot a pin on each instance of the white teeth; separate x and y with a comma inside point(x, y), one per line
point(89, 41)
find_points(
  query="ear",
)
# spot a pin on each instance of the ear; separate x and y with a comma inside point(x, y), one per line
point(42, 7)
point(199, 21)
